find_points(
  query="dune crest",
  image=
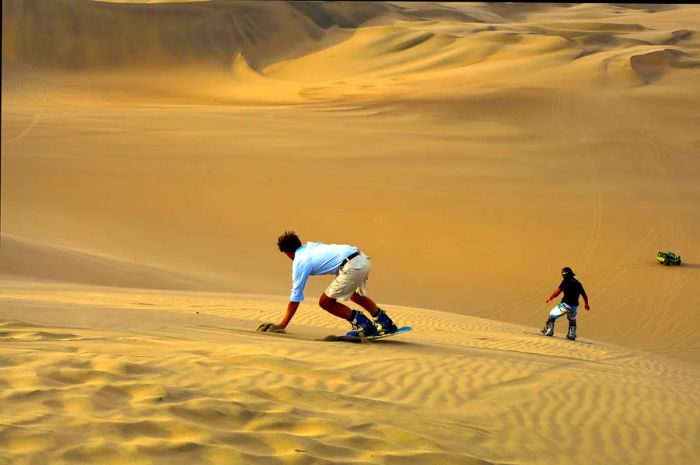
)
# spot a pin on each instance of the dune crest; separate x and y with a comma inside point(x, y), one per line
point(26, 259)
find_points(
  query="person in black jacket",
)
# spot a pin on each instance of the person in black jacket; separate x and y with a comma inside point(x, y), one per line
point(572, 289)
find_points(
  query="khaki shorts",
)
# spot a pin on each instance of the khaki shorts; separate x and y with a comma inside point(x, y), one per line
point(351, 277)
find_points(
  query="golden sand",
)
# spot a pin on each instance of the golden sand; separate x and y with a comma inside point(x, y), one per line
point(152, 152)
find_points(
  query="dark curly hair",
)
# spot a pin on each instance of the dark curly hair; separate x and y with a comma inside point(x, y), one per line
point(288, 242)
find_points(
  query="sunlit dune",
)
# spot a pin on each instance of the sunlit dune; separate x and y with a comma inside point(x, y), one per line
point(153, 151)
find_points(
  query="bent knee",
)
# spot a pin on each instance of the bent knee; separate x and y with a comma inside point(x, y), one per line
point(324, 300)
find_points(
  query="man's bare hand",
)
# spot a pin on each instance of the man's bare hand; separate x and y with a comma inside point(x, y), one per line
point(270, 328)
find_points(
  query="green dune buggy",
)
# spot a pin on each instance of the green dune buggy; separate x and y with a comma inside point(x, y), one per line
point(668, 258)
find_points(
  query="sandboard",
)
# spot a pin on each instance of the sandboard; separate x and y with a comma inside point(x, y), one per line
point(578, 339)
point(346, 338)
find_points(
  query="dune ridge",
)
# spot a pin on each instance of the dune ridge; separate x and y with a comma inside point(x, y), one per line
point(22, 258)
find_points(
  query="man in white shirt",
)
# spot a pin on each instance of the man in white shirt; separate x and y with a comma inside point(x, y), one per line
point(351, 268)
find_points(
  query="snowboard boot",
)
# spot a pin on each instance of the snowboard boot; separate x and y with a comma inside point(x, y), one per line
point(384, 323)
point(571, 335)
point(362, 326)
point(548, 329)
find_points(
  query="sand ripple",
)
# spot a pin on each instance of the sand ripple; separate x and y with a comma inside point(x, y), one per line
point(457, 390)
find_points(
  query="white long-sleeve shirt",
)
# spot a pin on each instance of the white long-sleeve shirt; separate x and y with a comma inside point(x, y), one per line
point(316, 258)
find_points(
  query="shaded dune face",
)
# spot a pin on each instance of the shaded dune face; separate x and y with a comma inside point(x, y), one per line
point(79, 35)
point(651, 66)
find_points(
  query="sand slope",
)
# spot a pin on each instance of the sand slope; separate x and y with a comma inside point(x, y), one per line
point(152, 152)
point(489, 197)
point(146, 377)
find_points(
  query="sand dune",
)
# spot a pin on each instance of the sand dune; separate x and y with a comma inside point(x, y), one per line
point(23, 258)
point(119, 378)
point(267, 52)
point(95, 34)
point(474, 189)
point(152, 152)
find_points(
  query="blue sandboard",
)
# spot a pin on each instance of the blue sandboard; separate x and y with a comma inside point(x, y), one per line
point(346, 338)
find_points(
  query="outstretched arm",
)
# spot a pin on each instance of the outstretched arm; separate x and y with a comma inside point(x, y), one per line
point(554, 294)
point(273, 328)
point(291, 310)
point(300, 274)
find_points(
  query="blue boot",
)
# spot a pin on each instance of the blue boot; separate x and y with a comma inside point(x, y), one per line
point(384, 323)
point(362, 326)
